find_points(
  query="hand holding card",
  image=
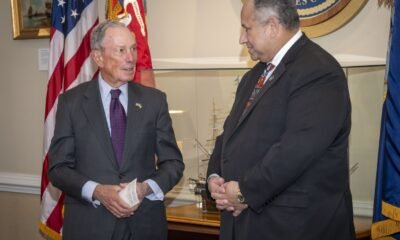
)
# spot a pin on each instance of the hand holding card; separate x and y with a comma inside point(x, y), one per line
point(129, 194)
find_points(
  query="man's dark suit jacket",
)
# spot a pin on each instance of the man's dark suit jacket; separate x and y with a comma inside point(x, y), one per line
point(81, 150)
point(289, 151)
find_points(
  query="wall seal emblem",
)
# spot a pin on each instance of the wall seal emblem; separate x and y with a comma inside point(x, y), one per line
point(320, 17)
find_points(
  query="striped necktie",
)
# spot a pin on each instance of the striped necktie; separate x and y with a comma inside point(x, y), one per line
point(260, 83)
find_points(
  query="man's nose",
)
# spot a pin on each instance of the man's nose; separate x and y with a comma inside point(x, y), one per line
point(131, 56)
point(243, 38)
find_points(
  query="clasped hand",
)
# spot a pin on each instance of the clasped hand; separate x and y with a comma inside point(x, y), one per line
point(109, 197)
point(225, 195)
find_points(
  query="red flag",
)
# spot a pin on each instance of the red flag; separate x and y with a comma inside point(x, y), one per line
point(131, 12)
point(69, 65)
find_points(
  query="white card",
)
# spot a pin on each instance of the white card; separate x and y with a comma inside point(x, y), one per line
point(129, 195)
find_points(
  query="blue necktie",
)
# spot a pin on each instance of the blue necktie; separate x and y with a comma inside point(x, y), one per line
point(118, 124)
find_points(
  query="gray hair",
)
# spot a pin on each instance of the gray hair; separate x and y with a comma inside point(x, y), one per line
point(96, 39)
point(284, 10)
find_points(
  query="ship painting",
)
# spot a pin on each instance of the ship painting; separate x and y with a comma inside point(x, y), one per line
point(36, 13)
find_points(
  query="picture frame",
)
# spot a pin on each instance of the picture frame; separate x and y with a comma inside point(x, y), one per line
point(31, 19)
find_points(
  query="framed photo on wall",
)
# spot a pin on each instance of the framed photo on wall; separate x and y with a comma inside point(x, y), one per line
point(31, 18)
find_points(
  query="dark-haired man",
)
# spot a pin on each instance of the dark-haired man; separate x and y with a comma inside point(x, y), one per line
point(280, 168)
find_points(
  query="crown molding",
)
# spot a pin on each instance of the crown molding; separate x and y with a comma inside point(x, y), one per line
point(19, 183)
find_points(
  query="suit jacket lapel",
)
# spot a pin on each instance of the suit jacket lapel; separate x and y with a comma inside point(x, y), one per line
point(270, 82)
point(136, 110)
point(238, 117)
point(94, 111)
point(248, 86)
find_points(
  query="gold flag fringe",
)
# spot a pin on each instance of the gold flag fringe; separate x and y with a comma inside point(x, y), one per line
point(49, 233)
point(386, 3)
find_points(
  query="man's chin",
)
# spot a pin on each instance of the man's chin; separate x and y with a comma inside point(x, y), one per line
point(254, 58)
point(127, 79)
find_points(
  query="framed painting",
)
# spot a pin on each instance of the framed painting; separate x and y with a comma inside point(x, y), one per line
point(31, 18)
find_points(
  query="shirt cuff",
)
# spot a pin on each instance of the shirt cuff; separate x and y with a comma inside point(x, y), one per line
point(157, 194)
point(212, 175)
point(87, 193)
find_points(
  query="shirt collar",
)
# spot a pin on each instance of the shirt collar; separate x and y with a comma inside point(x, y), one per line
point(282, 52)
point(105, 88)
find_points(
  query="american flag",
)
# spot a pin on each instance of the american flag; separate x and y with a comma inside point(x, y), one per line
point(69, 65)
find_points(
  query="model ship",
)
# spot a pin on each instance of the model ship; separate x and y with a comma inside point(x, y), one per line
point(199, 184)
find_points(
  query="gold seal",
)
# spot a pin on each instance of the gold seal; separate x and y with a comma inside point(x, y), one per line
point(320, 17)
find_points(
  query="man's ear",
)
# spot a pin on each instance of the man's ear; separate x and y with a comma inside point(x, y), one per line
point(97, 57)
point(274, 25)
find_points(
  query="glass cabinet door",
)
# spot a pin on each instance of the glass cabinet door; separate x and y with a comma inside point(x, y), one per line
point(200, 100)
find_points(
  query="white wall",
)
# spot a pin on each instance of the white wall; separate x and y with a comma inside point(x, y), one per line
point(210, 28)
point(22, 97)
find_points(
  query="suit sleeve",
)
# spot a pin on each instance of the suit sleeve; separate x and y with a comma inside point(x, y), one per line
point(318, 109)
point(62, 154)
point(170, 163)
point(214, 165)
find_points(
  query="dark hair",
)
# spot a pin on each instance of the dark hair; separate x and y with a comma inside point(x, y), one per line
point(284, 10)
point(96, 38)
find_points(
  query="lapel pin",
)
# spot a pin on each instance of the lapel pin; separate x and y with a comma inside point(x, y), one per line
point(139, 105)
point(271, 78)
